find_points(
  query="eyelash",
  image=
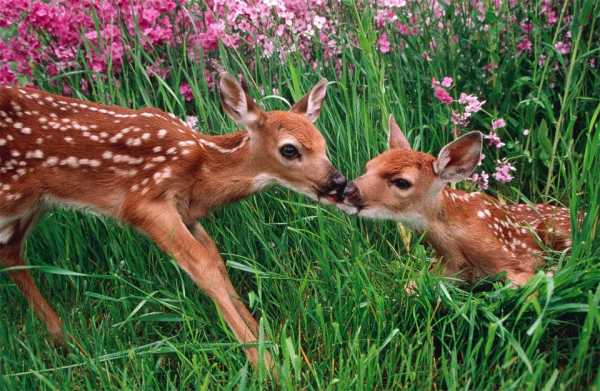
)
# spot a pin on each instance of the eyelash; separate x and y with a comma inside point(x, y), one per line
point(289, 152)
point(401, 183)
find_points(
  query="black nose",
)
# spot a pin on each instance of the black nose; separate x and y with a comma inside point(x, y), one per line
point(352, 194)
point(338, 181)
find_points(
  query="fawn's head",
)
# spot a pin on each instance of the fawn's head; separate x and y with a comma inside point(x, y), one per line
point(286, 148)
point(402, 184)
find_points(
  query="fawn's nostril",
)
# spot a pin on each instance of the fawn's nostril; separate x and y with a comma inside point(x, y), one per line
point(352, 196)
point(351, 193)
point(339, 181)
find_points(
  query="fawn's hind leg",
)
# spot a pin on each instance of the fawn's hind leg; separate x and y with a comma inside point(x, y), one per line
point(519, 278)
point(12, 238)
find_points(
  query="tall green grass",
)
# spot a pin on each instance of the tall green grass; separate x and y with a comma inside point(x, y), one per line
point(327, 287)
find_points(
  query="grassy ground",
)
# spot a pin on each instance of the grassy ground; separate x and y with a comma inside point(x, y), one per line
point(327, 287)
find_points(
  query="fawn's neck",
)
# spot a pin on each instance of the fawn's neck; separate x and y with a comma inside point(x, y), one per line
point(453, 210)
point(228, 171)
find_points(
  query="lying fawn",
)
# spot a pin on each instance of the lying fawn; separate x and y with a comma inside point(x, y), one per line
point(474, 233)
point(150, 170)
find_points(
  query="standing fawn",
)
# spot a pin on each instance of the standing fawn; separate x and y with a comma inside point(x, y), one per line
point(473, 233)
point(156, 174)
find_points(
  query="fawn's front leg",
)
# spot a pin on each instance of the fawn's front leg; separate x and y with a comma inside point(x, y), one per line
point(201, 260)
point(202, 236)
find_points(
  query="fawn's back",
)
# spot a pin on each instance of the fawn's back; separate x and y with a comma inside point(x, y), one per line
point(69, 150)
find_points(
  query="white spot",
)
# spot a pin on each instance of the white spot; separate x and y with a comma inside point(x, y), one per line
point(71, 161)
point(6, 233)
point(161, 133)
point(52, 161)
point(37, 154)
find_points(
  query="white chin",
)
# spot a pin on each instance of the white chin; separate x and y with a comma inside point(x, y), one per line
point(410, 219)
point(351, 210)
point(308, 193)
point(378, 214)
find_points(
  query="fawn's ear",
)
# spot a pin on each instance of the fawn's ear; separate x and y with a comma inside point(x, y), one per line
point(396, 138)
point(310, 104)
point(237, 103)
point(458, 160)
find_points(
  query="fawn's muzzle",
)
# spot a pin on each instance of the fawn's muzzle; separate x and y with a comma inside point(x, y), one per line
point(352, 195)
point(335, 186)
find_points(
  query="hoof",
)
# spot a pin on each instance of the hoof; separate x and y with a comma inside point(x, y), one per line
point(57, 338)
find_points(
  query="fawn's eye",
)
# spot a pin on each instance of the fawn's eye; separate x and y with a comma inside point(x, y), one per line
point(401, 183)
point(289, 152)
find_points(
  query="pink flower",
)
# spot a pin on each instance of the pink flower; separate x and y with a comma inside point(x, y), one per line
point(404, 29)
point(471, 102)
point(385, 16)
point(319, 22)
point(547, 10)
point(499, 123)
point(442, 95)
point(209, 78)
point(493, 140)
point(191, 121)
point(524, 45)
point(7, 76)
point(541, 60)
point(481, 179)
point(150, 15)
point(563, 47)
point(526, 27)
point(186, 91)
point(158, 69)
point(447, 82)
point(460, 119)
point(504, 172)
point(393, 3)
point(490, 67)
point(383, 44)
